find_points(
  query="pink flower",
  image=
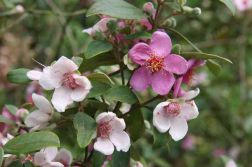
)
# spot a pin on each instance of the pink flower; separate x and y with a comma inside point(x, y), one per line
point(149, 8)
point(68, 84)
point(188, 143)
point(173, 115)
point(110, 133)
point(51, 157)
point(157, 64)
point(242, 5)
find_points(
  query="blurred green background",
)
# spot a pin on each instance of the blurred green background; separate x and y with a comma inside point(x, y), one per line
point(46, 29)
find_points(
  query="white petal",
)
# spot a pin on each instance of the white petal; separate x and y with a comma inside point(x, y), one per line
point(160, 120)
point(189, 110)
point(63, 66)
point(81, 92)
point(178, 128)
point(64, 156)
point(105, 116)
point(191, 94)
point(34, 75)
point(36, 118)
point(117, 124)
point(104, 146)
point(61, 98)
point(47, 81)
point(40, 159)
point(89, 31)
point(50, 153)
point(121, 140)
point(54, 164)
point(231, 163)
point(39, 127)
point(42, 103)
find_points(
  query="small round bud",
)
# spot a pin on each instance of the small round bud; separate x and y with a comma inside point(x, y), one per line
point(171, 22)
point(187, 10)
point(19, 9)
point(197, 11)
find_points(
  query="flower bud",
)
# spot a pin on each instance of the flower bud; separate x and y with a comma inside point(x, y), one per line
point(171, 22)
point(197, 11)
point(19, 9)
point(187, 10)
point(148, 7)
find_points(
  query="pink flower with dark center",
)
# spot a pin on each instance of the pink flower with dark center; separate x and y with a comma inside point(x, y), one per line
point(110, 134)
point(157, 64)
point(243, 5)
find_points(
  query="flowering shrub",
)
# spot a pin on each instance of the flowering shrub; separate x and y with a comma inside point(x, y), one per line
point(88, 109)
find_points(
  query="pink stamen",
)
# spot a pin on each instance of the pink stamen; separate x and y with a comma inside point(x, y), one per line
point(69, 81)
point(104, 129)
point(172, 109)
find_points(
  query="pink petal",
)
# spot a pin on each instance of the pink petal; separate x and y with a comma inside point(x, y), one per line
point(40, 159)
point(189, 110)
point(177, 87)
point(160, 121)
point(175, 64)
point(47, 81)
point(140, 53)
point(104, 146)
point(64, 156)
point(61, 98)
point(42, 103)
point(105, 116)
point(178, 128)
point(145, 23)
point(140, 79)
point(36, 118)
point(50, 153)
point(117, 124)
point(162, 82)
point(161, 43)
point(81, 92)
point(121, 140)
point(34, 74)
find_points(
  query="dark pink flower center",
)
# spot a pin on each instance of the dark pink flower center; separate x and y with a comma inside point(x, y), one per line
point(245, 2)
point(155, 63)
point(172, 109)
point(69, 81)
point(104, 129)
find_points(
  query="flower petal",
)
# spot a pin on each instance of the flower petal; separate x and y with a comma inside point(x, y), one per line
point(89, 31)
point(36, 118)
point(178, 128)
point(177, 87)
point(50, 153)
point(189, 110)
point(40, 159)
point(117, 124)
point(121, 140)
point(175, 64)
point(191, 94)
point(63, 66)
point(162, 82)
point(81, 92)
point(54, 164)
point(61, 98)
point(64, 156)
point(160, 121)
point(104, 146)
point(140, 53)
point(105, 116)
point(161, 43)
point(47, 81)
point(42, 103)
point(34, 75)
point(140, 79)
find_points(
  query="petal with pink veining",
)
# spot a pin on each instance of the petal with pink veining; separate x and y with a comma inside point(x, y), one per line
point(162, 82)
point(140, 53)
point(161, 44)
point(140, 79)
point(175, 64)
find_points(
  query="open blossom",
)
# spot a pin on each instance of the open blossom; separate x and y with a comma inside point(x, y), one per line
point(157, 64)
point(242, 5)
point(51, 157)
point(173, 115)
point(110, 133)
point(38, 119)
point(68, 84)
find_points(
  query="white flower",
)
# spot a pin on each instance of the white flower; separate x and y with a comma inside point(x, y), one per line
point(230, 163)
point(4, 140)
point(100, 26)
point(173, 115)
point(51, 157)
point(38, 119)
point(61, 76)
point(110, 133)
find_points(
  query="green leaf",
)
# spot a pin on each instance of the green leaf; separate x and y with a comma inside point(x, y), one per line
point(11, 108)
point(16, 163)
point(230, 5)
point(1, 155)
point(100, 77)
point(97, 47)
point(104, 59)
point(142, 34)
point(122, 94)
point(18, 76)
point(28, 164)
point(86, 128)
point(135, 123)
point(31, 142)
point(199, 55)
point(6, 120)
point(98, 159)
point(120, 159)
point(213, 66)
point(116, 8)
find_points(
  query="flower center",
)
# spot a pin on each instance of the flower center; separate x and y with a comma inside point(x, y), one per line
point(245, 2)
point(155, 63)
point(69, 81)
point(172, 109)
point(104, 129)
